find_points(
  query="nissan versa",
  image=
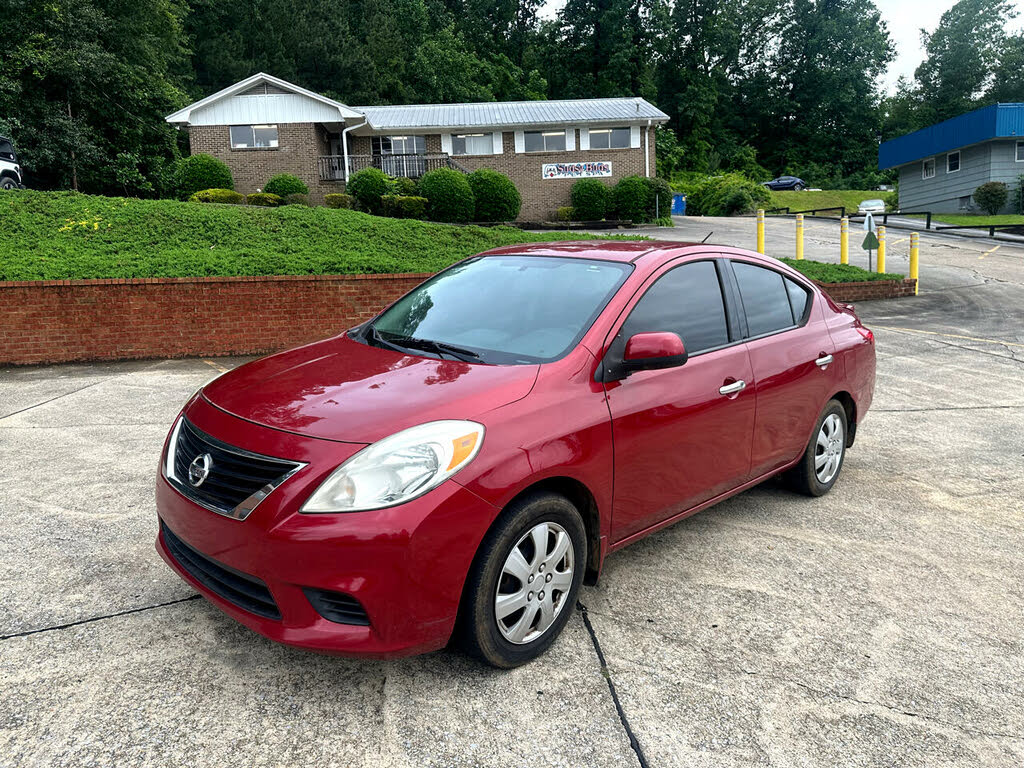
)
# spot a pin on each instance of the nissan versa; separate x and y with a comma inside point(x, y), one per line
point(456, 467)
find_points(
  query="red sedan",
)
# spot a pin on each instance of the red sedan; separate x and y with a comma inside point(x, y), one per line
point(459, 465)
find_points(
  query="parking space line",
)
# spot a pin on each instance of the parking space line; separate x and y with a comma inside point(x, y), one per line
point(216, 366)
point(990, 251)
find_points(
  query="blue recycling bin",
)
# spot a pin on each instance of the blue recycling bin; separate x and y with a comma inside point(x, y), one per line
point(678, 205)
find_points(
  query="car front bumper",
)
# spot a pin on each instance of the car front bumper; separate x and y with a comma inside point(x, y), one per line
point(405, 566)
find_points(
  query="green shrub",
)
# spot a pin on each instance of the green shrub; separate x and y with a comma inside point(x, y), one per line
point(284, 184)
point(265, 199)
point(198, 172)
point(892, 200)
point(449, 196)
point(368, 186)
point(632, 199)
point(497, 198)
point(590, 199)
point(661, 197)
point(218, 196)
point(296, 198)
point(403, 186)
point(404, 206)
point(725, 195)
point(992, 197)
point(338, 200)
point(566, 213)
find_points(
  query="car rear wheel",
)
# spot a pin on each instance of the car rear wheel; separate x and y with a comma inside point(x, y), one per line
point(524, 582)
point(819, 467)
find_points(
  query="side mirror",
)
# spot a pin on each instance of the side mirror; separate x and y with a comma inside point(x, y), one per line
point(647, 352)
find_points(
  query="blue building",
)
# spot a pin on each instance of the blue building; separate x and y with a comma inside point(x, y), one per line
point(940, 166)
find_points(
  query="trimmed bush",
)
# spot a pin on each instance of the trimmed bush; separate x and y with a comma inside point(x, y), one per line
point(284, 184)
point(632, 198)
point(497, 198)
point(566, 213)
point(404, 186)
point(661, 198)
point(338, 200)
point(368, 186)
point(404, 206)
point(265, 199)
point(296, 198)
point(228, 196)
point(449, 196)
point(590, 198)
point(992, 197)
point(198, 172)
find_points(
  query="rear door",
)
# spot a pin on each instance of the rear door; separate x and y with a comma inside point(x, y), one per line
point(791, 353)
point(679, 440)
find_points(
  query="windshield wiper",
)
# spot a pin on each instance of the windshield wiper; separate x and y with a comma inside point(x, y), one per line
point(376, 336)
point(438, 347)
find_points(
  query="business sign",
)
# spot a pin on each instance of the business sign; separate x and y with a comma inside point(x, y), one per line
point(576, 170)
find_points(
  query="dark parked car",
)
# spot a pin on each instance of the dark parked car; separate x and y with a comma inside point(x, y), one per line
point(785, 182)
point(456, 467)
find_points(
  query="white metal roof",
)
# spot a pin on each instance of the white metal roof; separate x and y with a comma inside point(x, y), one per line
point(508, 114)
point(229, 106)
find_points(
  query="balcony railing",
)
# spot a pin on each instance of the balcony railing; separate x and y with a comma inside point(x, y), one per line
point(332, 167)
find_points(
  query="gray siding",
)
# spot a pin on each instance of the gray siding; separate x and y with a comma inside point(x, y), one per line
point(991, 161)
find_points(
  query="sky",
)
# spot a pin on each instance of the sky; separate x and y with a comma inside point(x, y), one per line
point(905, 18)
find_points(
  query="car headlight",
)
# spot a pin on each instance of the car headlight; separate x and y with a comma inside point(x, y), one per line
point(398, 468)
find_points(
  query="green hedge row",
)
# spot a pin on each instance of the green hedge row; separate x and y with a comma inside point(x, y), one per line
point(636, 198)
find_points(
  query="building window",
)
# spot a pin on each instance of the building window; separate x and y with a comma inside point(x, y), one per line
point(472, 144)
point(609, 138)
point(965, 203)
point(1020, 151)
point(253, 136)
point(928, 168)
point(544, 141)
point(399, 145)
point(952, 162)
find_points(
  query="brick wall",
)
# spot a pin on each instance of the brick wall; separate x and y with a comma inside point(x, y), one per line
point(61, 321)
point(299, 146)
point(869, 290)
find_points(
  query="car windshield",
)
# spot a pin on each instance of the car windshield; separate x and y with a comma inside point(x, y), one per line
point(872, 204)
point(501, 309)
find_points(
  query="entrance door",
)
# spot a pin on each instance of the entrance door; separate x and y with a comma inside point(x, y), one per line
point(681, 435)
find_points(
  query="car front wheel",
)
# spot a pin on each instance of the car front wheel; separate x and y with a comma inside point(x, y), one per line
point(8, 183)
point(524, 582)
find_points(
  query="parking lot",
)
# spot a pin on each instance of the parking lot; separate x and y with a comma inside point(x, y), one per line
point(879, 625)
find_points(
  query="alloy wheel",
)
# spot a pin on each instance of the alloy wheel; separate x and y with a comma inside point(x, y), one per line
point(828, 451)
point(534, 582)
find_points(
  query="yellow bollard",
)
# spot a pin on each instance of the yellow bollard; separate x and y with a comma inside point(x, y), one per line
point(914, 247)
point(881, 250)
point(799, 235)
point(844, 240)
point(760, 230)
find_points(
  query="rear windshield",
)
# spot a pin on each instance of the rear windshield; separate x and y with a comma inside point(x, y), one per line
point(503, 309)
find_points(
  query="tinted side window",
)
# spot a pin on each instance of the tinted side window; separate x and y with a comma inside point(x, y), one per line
point(765, 298)
point(798, 298)
point(687, 301)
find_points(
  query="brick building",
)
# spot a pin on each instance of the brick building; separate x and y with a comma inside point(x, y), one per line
point(263, 125)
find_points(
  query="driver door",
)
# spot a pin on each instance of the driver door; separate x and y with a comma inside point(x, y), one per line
point(681, 435)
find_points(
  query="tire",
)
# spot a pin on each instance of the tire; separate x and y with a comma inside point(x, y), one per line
point(525, 629)
point(808, 478)
point(798, 187)
point(8, 183)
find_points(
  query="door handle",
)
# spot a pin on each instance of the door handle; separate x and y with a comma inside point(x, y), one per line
point(732, 389)
point(823, 361)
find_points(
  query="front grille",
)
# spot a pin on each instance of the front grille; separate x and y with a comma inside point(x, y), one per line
point(241, 589)
point(337, 606)
point(237, 480)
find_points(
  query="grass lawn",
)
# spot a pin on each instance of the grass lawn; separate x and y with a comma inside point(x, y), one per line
point(973, 219)
point(68, 236)
point(804, 201)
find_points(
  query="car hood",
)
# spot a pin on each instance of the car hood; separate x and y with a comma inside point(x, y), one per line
point(340, 389)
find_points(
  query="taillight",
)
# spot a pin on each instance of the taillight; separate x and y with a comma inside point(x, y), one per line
point(866, 333)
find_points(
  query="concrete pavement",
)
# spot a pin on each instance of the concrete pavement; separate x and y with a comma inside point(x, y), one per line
point(876, 626)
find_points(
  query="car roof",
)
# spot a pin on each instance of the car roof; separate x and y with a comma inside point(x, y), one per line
point(605, 250)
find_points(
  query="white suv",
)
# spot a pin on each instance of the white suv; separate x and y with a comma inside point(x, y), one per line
point(10, 171)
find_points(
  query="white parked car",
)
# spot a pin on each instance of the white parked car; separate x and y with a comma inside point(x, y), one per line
point(10, 171)
point(871, 206)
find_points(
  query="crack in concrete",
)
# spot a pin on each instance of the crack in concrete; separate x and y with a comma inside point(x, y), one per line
point(57, 397)
point(606, 673)
point(947, 408)
point(93, 619)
